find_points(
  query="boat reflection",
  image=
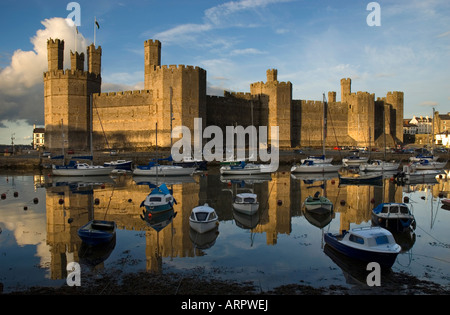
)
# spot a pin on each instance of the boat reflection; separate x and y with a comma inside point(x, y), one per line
point(93, 256)
point(158, 221)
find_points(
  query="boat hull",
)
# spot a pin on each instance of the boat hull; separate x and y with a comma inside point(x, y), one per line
point(316, 168)
point(203, 227)
point(246, 208)
point(126, 165)
point(164, 171)
point(97, 232)
point(319, 205)
point(92, 171)
point(384, 259)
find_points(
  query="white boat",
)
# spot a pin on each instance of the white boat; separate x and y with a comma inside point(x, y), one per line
point(158, 200)
point(393, 216)
point(368, 244)
point(246, 169)
point(246, 203)
point(80, 169)
point(309, 166)
point(163, 170)
point(355, 160)
point(203, 219)
point(420, 157)
point(429, 165)
point(318, 204)
point(321, 159)
point(379, 166)
point(312, 165)
point(411, 174)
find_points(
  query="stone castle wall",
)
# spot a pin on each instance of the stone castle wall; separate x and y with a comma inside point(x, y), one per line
point(175, 95)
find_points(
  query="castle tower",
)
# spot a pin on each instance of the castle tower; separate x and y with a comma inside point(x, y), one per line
point(94, 59)
point(67, 100)
point(278, 104)
point(395, 99)
point(179, 93)
point(152, 53)
point(55, 53)
point(346, 89)
point(77, 61)
point(331, 97)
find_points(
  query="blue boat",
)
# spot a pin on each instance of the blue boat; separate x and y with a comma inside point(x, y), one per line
point(97, 232)
point(159, 199)
point(119, 165)
point(393, 216)
point(368, 244)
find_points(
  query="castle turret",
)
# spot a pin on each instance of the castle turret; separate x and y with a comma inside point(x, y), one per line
point(279, 97)
point(272, 75)
point(67, 98)
point(346, 89)
point(152, 53)
point(77, 61)
point(395, 99)
point(55, 54)
point(94, 60)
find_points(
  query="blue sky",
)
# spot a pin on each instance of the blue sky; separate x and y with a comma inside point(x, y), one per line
point(312, 43)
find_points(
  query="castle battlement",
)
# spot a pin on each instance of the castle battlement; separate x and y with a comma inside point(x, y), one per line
point(123, 93)
point(179, 68)
point(70, 74)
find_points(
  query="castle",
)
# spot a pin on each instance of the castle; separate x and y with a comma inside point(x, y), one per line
point(176, 94)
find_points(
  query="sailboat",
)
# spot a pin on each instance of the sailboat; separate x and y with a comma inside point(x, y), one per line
point(380, 165)
point(155, 169)
point(76, 168)
point(316, 165)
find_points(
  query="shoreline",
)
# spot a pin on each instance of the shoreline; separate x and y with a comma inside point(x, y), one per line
point(286, 157)
point(182, 284)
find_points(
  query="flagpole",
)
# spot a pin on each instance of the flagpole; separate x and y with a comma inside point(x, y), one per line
point(95, 25)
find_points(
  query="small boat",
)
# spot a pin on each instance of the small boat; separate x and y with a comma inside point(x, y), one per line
point(310, 166)
point(429, 165)
point(420, 157)
point(410, 174)
point(97, 232)
point(244, 168)
point(368, 244)
point(246, 203)
point(393, 216)
point(198, 164)
point(379, 166)
point(153, 169)
point(318, 159)
point(80, 169)
point(119, 164)
point(318, 204)
point(159, 199)
point(354, 160)
point(370, 178)
point(203, 219)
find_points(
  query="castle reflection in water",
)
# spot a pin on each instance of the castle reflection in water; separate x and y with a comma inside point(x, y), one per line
point(71, 202)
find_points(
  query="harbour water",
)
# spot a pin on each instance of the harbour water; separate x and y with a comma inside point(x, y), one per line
point(280, 244)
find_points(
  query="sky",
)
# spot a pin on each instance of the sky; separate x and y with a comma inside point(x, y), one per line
point(312, 43)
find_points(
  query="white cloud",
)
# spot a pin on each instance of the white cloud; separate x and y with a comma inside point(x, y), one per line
point(246, 51)
point(21, 80)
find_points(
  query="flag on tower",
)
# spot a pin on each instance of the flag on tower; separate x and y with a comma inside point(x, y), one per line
point(96, 23)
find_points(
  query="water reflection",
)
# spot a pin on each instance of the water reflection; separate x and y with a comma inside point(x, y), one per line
point(281, 195)
point(72, 202)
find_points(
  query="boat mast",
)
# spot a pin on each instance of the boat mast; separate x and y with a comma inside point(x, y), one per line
point(324, 132)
